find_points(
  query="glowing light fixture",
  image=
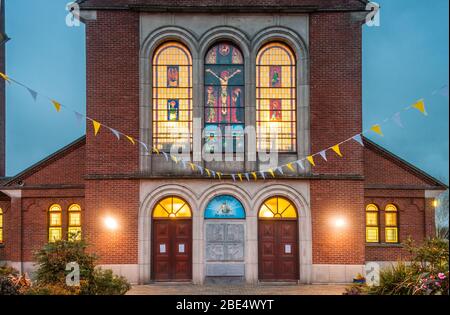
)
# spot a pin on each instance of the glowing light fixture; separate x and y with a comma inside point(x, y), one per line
point(435, 203)
point(111, 223)
point(339, 223)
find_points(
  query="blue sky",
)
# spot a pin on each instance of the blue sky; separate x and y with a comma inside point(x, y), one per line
point(404, 59)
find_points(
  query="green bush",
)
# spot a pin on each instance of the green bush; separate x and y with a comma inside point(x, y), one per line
point(7, 287)
point(426, 274)
point(7, 270)
point(51, 274)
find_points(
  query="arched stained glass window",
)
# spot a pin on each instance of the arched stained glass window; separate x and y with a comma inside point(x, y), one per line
point(172, 207)
point(172, 96)
point(1, 226)
point(224, 99)
point(391, 222)
point(372, 229)
point(75, 221)
point(277, 208)
point(276, 101)
point(224, 207)
point(54, 223)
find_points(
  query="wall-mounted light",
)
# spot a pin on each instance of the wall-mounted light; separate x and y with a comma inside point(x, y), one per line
point(435, 203)
point(111, 223)
point(339, 223)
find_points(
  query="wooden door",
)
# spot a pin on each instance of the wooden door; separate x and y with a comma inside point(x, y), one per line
point(278, 250)
point(172, 250)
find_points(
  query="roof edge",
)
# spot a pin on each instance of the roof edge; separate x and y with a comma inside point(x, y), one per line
point(52, 157)
point(405, 164)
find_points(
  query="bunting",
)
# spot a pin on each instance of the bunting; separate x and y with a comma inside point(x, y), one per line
point(377, 128)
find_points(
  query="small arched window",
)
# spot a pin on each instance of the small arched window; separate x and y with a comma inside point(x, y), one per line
point(276, 100)
point(74, 226)
point(372, 227)
point(172, 97)
point(1, 226)
point(277, 208)
point(172, 207)
point(391, 222)
point(54, 223)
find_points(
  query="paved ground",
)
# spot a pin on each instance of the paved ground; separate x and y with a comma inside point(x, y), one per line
point(189, 289)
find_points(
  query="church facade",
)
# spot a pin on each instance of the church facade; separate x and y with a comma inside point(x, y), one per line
point(194, 75)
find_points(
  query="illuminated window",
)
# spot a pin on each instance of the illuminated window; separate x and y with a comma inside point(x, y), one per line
point(276, 102)
point(224, 99)
point(391, 222)
point(1, 226)
point(74, 226)
point(372, 228)
point(172, 207)
point(55, 223)
point(277, 208)
point(172, 97)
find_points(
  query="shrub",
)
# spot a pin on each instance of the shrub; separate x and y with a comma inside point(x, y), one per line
point(104, 282)
point(7, 287)
point(7, 270)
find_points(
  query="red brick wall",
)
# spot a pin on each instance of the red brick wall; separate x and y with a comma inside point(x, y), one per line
point(117, 199)
point(331, 200)
point(112, 45)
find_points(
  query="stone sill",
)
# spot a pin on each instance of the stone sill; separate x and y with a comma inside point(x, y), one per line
point(384, 245)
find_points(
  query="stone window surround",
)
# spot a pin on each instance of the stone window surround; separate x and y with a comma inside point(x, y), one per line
point(250, 48)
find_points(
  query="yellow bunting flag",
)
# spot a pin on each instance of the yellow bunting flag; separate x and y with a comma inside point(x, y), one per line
point(208, 172)
point(377, 129)
point(311, 160)
point(192, 166)
point(240, 177)
point(255, 176)
point(4, 77)
point(272, 173)
point(289, 166)
point(156, 150)
point(420, 105)
point(97, 126)
point(57, 105)
point(131, 139)
point(337, 150)
point(174, 159)
point(219, 174)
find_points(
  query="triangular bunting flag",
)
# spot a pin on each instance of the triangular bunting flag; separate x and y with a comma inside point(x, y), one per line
point(200, 169)
point(115, 132)
point(213, 174)
point(311, 160)
point(397, 120)
point(208, 172)
point(263, 175)
point(323, 154)
point(192, 166)
point(144, 145)
point(290, 167)
point(174, 158)
point(165, 156)
point(183, 163)
point(377, 129)
point(4, 77)
point(57, 105)
point(3, 36)
point(240, 177)
point(156, 150)
point(78, 116)
point(300, 163)
point(97, 126)
point(247, 176)
point(131, 139)
point(280, 170)
point(33, 93)
point(254, 175)
point(219, 175)
point(271, 173)
point(420, 106)
point(358, 139)
point(233, 177)
point(337, 149)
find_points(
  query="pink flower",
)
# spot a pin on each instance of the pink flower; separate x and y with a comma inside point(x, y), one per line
point(438, 284)
point(424, 286)
point(441, 276)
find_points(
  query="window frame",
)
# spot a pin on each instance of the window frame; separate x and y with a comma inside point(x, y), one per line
point(391, 209)
point(74, 209)
point(54, 209)
point(372, 208)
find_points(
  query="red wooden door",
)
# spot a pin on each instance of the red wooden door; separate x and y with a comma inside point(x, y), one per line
point(278, 250)
point(172, 250)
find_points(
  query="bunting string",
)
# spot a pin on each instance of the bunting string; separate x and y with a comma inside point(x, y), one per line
point(97, 126)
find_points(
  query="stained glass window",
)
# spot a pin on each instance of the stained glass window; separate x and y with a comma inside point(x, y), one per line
point(74, 222)
point(172, 97)
point(276, 102)
point(55, 223)
point(224, 207)
point(1, 226)
point(278, 208)
point(372, 229)
point(172, 207)
point(391, 229)
point(224, 99)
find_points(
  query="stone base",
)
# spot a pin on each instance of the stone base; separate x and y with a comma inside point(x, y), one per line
point(335, 273)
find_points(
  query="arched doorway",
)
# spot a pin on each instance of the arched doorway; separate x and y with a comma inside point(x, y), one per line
point(278, 240)
point(172, 240)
